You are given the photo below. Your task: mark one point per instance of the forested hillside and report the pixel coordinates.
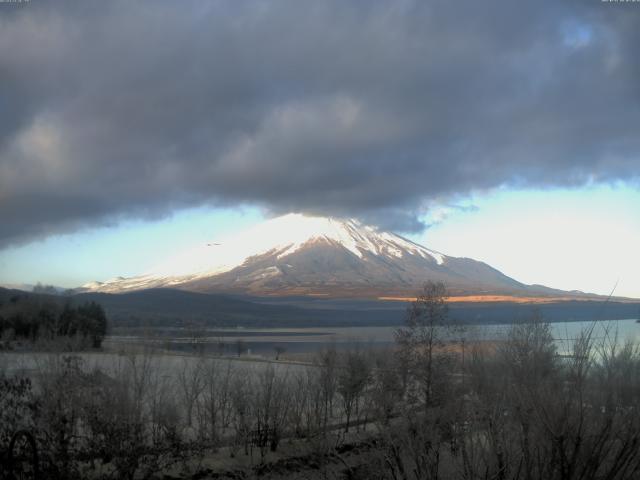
(28, 317)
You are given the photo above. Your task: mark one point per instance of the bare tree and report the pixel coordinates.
(387, 387)
(241, 388)
(537, 414)
(328, 383)
(421, 344)
(191, 382)
(270, 404)
(353, 378)
(299, 403)
(279, 349)
(215, 408)
(241, 347)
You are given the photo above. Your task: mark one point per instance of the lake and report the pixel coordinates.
(264, 341)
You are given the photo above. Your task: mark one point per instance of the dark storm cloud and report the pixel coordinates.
(372, 109)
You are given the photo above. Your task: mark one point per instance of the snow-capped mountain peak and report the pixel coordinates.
(295, 230)
(301, 253)
(286, 235)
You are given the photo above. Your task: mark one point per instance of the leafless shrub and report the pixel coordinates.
(353, 379)
(215, 401)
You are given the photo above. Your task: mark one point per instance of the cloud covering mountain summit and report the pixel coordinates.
(371, 109)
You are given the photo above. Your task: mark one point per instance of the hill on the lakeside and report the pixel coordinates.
(177, 308)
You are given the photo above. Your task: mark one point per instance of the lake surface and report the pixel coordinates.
(259, 345)
(264, 341)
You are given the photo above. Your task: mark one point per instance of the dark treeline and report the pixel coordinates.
(172, 308)
(522, 408)
(32, 317)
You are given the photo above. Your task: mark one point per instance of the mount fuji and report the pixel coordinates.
(303, 255)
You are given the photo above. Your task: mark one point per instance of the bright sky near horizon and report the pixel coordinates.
(584, 239)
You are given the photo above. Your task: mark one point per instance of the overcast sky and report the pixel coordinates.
(119, 115)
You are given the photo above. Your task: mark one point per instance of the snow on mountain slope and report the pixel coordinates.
(286, 235)
(301, 254)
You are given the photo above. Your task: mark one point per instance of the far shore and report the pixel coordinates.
(513, 299)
